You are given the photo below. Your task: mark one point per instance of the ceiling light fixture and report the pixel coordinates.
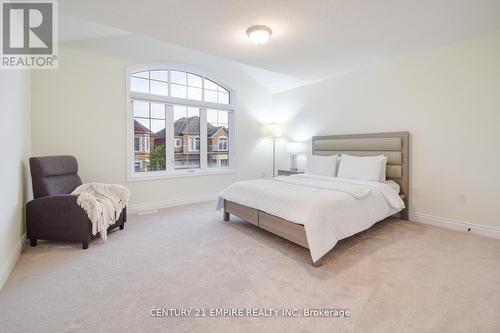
(259, 34)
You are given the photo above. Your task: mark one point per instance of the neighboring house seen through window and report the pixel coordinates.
(171, 109)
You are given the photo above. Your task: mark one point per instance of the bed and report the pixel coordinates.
(316, 212)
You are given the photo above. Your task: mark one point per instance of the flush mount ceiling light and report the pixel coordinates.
(259, 34)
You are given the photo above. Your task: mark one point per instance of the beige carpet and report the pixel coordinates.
(396, 277)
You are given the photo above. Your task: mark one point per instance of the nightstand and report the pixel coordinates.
(282, 172)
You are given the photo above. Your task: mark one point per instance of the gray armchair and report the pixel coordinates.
(53, 214)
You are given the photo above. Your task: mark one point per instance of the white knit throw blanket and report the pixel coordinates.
(103, 204)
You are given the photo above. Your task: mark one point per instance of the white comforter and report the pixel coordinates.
(330, 208)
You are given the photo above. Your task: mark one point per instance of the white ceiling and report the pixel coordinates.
(312, 39)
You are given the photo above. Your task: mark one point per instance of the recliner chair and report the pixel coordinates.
(53, 214)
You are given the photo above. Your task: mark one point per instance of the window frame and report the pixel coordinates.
(194, 144)
(169, 102)
(219, 141)
(176, 140)
(137, 140)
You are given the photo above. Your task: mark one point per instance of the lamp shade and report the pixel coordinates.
(294, 147)
(273, 130)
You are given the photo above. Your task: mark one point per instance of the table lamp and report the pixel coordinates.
(294, 148)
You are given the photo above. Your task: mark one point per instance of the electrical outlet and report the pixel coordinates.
(461, 197)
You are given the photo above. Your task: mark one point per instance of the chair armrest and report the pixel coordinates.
(60, 199)
(57, 216)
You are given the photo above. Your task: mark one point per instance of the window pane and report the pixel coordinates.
(194, 80)
(159, 75)
(187, 137)
(223, 97)
(217, 139)
(157, 125)
(178, 91)
(159, 88)
(180, 111)
(194, 93)
(193, 112)
(212, 116)
(158, 110)
(139, 85)
(222, 89)
(211, 96)
(178, 77)
(210, 84)
(144, 75)
(141, 109)
(223, 117)
(144, 122)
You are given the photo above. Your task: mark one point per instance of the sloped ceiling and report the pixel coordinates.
(311, 41)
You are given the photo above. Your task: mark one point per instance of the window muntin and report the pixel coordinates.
(156, 96)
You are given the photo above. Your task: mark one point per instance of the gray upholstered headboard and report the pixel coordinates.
(394, 145)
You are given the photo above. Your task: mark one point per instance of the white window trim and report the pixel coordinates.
(170, 172)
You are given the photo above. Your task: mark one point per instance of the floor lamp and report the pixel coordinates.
(274, 131)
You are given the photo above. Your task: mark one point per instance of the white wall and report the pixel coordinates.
(79, 109)
(14, 177)
(449, 100)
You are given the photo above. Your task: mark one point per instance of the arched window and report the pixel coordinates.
(181, 120)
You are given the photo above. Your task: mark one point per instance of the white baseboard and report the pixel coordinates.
(457, 225)
(151, 206)
(6, 269)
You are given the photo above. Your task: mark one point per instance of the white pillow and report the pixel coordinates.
(321, 165)
(361, 167)
(383, 171)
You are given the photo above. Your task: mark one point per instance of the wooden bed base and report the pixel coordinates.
(291, 231)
